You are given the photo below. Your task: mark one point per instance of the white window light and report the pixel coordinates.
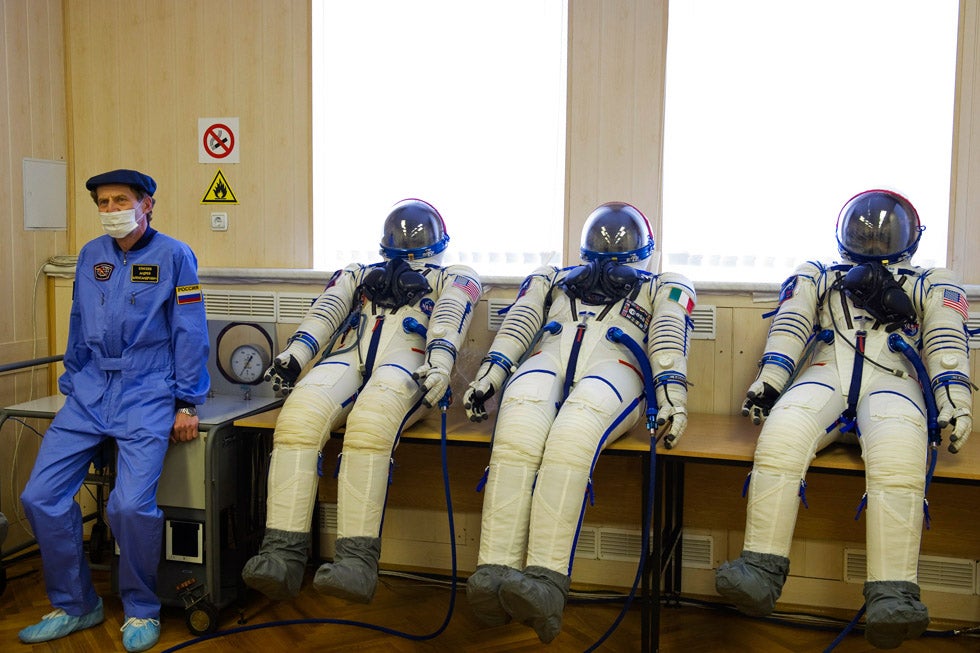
(778, 112)
(461, 104)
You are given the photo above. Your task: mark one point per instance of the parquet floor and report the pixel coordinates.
(417, 609)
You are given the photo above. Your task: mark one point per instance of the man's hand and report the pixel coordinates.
(760, 399)
(283, 373)
(475, 397)
(185, 428)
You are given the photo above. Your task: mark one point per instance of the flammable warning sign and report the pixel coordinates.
(219, 192)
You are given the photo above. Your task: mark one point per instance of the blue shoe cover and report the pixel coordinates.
(58, 623)
(140, 634)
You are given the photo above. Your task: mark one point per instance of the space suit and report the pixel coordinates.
(387, 336)
(573, 389)
(842, 363)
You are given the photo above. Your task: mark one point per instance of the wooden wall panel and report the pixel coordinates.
(616, 69)
(964, 225)
(139, 107)
(32, 125)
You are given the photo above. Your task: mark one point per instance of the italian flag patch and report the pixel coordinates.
(681, 297)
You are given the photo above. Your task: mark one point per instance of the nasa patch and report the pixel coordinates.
(103, 271)
(427, 305)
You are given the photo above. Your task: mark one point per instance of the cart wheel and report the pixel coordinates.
(202, 618)
(97, 541)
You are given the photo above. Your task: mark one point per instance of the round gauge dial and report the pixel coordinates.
(242, 352)
(248, 363)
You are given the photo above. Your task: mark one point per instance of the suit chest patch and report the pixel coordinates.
(636, 314)
(102, 271)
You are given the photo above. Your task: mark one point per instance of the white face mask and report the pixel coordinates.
(119, 224)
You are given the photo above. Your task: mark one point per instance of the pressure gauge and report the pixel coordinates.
(242, 351)
(248, 364)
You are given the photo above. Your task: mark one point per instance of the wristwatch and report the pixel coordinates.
(189, 410)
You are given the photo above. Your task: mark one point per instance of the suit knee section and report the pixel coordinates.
(305, 420)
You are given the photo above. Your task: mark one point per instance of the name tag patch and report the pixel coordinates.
(189, 294)
(145, 274)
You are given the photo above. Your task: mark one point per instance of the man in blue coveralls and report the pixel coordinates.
(135, 370)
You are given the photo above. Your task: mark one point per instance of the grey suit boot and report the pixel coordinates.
(893, 613)
(353, 575)
(536, 599)
(482, 593)
(277, 569)
(753, 582)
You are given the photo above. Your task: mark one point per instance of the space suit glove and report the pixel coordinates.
(474, 399)
(434, 381)
(433, 375)
(283, 373)
(759, 400)
(677, 416)
(962, 423)
(492, 374)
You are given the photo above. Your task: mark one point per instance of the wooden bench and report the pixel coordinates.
(711, 439)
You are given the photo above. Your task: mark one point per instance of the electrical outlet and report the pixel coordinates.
(219, 222)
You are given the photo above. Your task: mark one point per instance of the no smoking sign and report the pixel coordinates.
(217, 140)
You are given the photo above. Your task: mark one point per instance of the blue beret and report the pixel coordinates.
(127, 177)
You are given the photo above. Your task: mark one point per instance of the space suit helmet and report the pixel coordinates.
(616, 231)
(413, 230)
(878, 225)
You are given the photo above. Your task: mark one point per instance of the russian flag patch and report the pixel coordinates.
(683, 298)
(189, 294)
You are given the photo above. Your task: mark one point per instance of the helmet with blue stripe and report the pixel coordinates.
(878, 225)
(616, 231)
(413, 230)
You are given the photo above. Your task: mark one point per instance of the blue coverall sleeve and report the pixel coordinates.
(189, 330)
(77, 353)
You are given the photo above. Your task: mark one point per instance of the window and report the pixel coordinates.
(461, 104)
(778, 112)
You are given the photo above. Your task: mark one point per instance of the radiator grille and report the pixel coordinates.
(240, 305)
(292, 307)
(956, 575)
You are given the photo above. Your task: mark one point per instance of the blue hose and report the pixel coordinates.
(617, 335)
(897, 343)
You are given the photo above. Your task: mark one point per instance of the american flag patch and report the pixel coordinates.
(957, 301)
(188, 294)
(681, 297)
(467, 285)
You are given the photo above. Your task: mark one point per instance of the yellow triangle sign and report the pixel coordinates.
(219, 192)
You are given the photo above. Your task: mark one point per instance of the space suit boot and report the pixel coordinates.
(277, 569)
(753, 582)
(893, 613)
(536, 599)
(482, 592)
(353, 575)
